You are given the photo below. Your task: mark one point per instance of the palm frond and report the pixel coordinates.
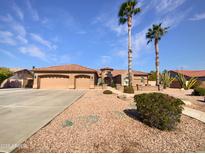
(157, 31)
(127, 9)
(135, 11)
(122, 20)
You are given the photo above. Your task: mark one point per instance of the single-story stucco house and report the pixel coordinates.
(74, 76)
(199, 74)
(21, 78)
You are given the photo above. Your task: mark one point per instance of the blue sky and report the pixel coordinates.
(86, 32)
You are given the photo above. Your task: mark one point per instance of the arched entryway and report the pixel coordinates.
(108, 80)
(54, 81)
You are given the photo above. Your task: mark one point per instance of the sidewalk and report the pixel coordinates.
(199, 115)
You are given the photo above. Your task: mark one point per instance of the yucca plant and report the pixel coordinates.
(186, 84)
(166, 79)
(192, 81)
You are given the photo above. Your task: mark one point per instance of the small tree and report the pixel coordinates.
(152, 76)
(4, 74)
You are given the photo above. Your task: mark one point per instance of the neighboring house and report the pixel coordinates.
(199, 74)
(121, 77)
(79, 77)
(20, 79)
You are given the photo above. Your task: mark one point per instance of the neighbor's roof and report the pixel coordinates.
(119, 72)
(191, 73)
(70, 67)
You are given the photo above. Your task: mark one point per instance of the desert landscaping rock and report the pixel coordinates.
(113, 131)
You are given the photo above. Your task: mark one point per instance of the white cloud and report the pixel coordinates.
(7, 18)
(33, 51)
(22, 39)
(6, 37)
(18, 11)
(114, 26)
(121, 53)
(173, 20)
(33, 11)
(8, 53)
(140, 42)
(42, 41)
(105, 60)
(165, 6)
(6, 33)
(19, 29)
(16, 26)
(196, 17)
(111, 23)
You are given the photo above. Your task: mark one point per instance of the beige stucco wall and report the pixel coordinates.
(71, 79)
(137, 80)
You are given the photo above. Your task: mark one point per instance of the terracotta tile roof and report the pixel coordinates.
(191, 73)
(71, 67)
(119, 72)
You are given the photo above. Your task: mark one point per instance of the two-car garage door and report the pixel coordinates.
(63, 82)
(54, 82)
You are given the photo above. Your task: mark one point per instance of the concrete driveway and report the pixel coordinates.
(25, 111)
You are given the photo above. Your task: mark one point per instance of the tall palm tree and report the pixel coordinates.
(127, 10)
(155, 33)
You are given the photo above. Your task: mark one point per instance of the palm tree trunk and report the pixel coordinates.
(129, 51)
(157, 61)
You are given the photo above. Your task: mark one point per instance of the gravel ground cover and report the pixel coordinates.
(197, 101)
(104, 123)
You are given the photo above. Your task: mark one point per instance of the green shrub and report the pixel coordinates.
(107, 92)
(199, 91)
(4, 74)
(128, 89)
(159, 110)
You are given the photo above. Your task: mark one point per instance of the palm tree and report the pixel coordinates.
(155, 33)
(127, 10)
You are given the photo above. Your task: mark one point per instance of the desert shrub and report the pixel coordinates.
(159, 110)
(199, 91)
(129, 89)
(107, 92)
